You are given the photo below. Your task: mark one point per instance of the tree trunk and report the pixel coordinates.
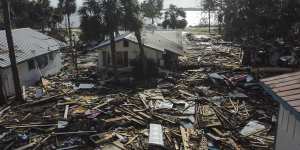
(113, 53)
(142, 52)
(12, 56)
(70, 42)
(209, 21)
(75, 50)
(69, 30)
(152, 19)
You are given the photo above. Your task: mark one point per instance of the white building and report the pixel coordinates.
(286, 90)
(162, 47)
(37, 55)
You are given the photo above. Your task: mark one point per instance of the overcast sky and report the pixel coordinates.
(179, 3)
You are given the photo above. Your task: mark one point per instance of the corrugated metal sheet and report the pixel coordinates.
(28, 43)
(287, 87)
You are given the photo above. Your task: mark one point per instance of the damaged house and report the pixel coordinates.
(162, 47)
(285, 90)
(37, 55)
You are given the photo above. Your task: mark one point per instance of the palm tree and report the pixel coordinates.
(111, 16)
(209, 5)
(132, 22)
(68, 7)
(56, 17)
(43, 12)
(108, 14)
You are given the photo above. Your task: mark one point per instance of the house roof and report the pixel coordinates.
(286, 89)
(150, 39)
(28, 43)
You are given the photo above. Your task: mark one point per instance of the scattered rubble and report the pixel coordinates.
(211, 104)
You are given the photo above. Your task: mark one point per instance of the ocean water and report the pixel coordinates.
(193, 18)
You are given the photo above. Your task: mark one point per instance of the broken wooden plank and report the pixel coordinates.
(66, 112)
(26, 146)
(185, 139)
(143, 99)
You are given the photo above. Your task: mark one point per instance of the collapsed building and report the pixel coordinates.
(37, 56)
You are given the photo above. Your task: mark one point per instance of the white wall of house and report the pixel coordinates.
(29, 77)
(288, 131)
(133, 53)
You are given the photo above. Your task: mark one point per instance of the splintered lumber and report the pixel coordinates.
(77, 132)
(101, 138)
(272, 70)
(5, 109)
(131, 140)
(69, 147)
(30, 126)
(185, 140)
(143, 99)
(66, 112)
(145, 115)
(101, 105)
(186, 93)
(42, 142)
(176, 144)
(164, 119)
(117, 119)
(119, 145)
(26, 146)
(44, 100)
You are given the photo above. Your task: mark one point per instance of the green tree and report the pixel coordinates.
(209, 5)
(37, 14)
(132, 22)
(42, 13)
(175, 18)
(152, 8)
(111, 15)
(55, 18)
(90, 23)
(108, 14)
(68, 7)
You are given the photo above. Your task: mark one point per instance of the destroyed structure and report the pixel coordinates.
(37, 55)
(211, 102)
(285, 90)
(163, 48)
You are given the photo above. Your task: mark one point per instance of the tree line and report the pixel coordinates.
(93, 15)
(257, 20)
(37, 14)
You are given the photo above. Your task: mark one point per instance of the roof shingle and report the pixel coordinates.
(287, 87)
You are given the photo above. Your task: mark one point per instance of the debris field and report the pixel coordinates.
(210, 103)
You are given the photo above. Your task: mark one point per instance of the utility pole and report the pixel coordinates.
(3, 98)
(11, 49)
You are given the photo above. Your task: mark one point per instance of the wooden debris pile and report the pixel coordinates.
(200, 108)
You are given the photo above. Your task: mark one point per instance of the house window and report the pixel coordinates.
(105, 58)
(122, 59)
(31, 64)
(126, 43)
(42, 61)
(51, 56)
